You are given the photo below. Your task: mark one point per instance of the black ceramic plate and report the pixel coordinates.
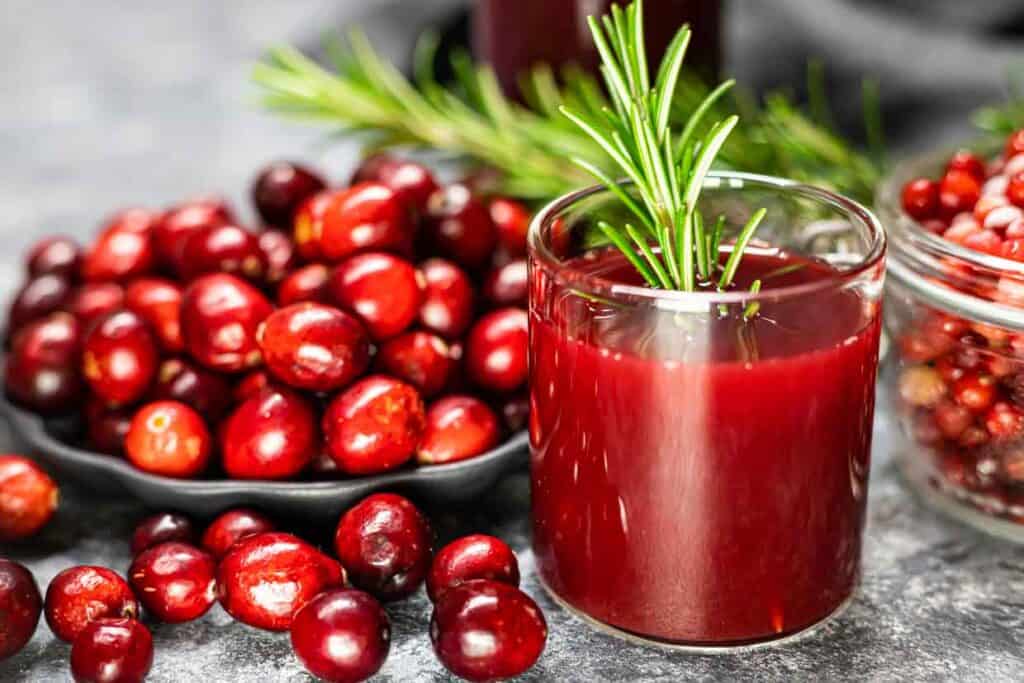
(438, 484)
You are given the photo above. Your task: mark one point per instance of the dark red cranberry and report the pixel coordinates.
(384, 544)
(223, 249)
(119, 253)
(83, 594)
(482, 611)
(958, 192)
(107, 427)
(162, 527)
(308, 283)
(281, 188)
(309, 225)
(173, 229)
(460, 226)
(314, 347)
(447, 307)
(43, 369)
(341, 616)
(119, 358)
(271, 436)
(414, 183)
(175, 581)
(369, 167)
(265, 579)
(920, 198)
(507, 285)
(219, 317)
(206, 392)
(28, 498)
(232, 526)
(158, 302)
(967, 162)
(90, 301)
(280, 254)
(112, 651)
(496, 350)
(458, 428)
(251, 385)
(168, 438)
(20, 607)
(385, 291)
(39, 297)
(472, 557)
(55, 256)
(365, 217)
(374, 425)
(515, 412)
(422, 359)
(512, 221)
(975, 392)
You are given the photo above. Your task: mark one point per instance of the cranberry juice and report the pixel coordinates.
(702, 483)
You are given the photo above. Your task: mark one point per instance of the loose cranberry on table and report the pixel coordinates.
(265, 579)
(112, 651)
(223, 248)
(39, 297)
(364, 217)
(119, 358)
(272, 435)
(308, 283)
(279, 252)
(43, 370)
(171, 232)
(162, 527)
(168, 438)
(232, 526)
(448, 298)
(91, 301)
(374, 425)
(28, 498)
(175, 582)
(422, 359)
(54, 256)
(281, 188)
(314, 347)
(344, 616)
(496, 350)
(507, 285)
(457, 428)
(512, 221)
(383, 290)
(206, 392)
(477, 556)
(158, 302)
(459, 225)
(482, 611)
(20, 607)
(80, 595)
(384, 544)
(220, 314)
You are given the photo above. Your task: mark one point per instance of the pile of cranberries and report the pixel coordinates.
(483, 627)
(961, 386)
(363, 328)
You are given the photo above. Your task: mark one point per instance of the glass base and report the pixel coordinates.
(700, 648)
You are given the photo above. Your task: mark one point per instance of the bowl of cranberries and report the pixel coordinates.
(955, 311)
(364, 337)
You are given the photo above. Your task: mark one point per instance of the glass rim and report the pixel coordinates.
(700, 300)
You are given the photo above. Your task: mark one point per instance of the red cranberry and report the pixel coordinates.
(967, 162)
(1014, 144)
(458, 427)
(281, 188)
(309, 225)
(507, 285)
(412, 182)
(112, 651)
(168, 438)
(383, 290)
(39, 297)
(107, 427)
(374, 425)
(1015, 189)
(384, 544)
(369, 167)
(472, 557)
(119, 253)
(420, 358)
(447, 307)
(223, 249)
(55, 256)
(137, 220)
(83, 594)
(481, 611)
(958, 191)
(496, 350)
(952, 419)
(219, 318)
(175, 581)
(314, 347)
(460, 226)
(42, 370)
(251, 385)
(162, 527)
(28, 498)
(120, 358)
(271, 436)
(208, 393)
(171, 232)
(515, 412)
(265, 579)
(308, 283)
(341, 616)
(90, 301)
(280, 254)
(985, 241)
(20, 607)
(158, 302)
(512, 221)
(975, 392)
(365, 217)
(232, 526)
(1004, 421)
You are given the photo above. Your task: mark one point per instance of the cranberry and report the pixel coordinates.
(459, 225)
(447, 307)
(952, 419)
(219, 318)
(309, 225)
(507, 285)
(55, 256)
(374, 425)
(1015, 189)
(369, 167)
(208, 393)
(314, 347)
(120, 358)
(83, 594)
(279, 252)
(232, 526)
(384, 544)
(958, 191)
(107, 427)
(458, 427)
(112, 651)
(986, 205)
(28, 498)
(168, 438)
(251, 385)
(365, 217)
(975, 392)
(491, 612)
(1014, 144)
(175, 581)
(985, 241)
(341, 616)
(383, 290)
(271, 436)
(20, 607)
(119, 253)
(42, 370)
(512, 221)
(973, 436)
(420, 358)
(472, 557)
(1004, 421)
(223, 249)
(158, 302)
(281, 188)
(137, 220)
(172, 231)
(265, 579)
(308, 283)
(921, 386)
(515, 412)
(496, 350)
(39, 297)
(91, 301)
(967, 162)
(412, 182)
(162, 527)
